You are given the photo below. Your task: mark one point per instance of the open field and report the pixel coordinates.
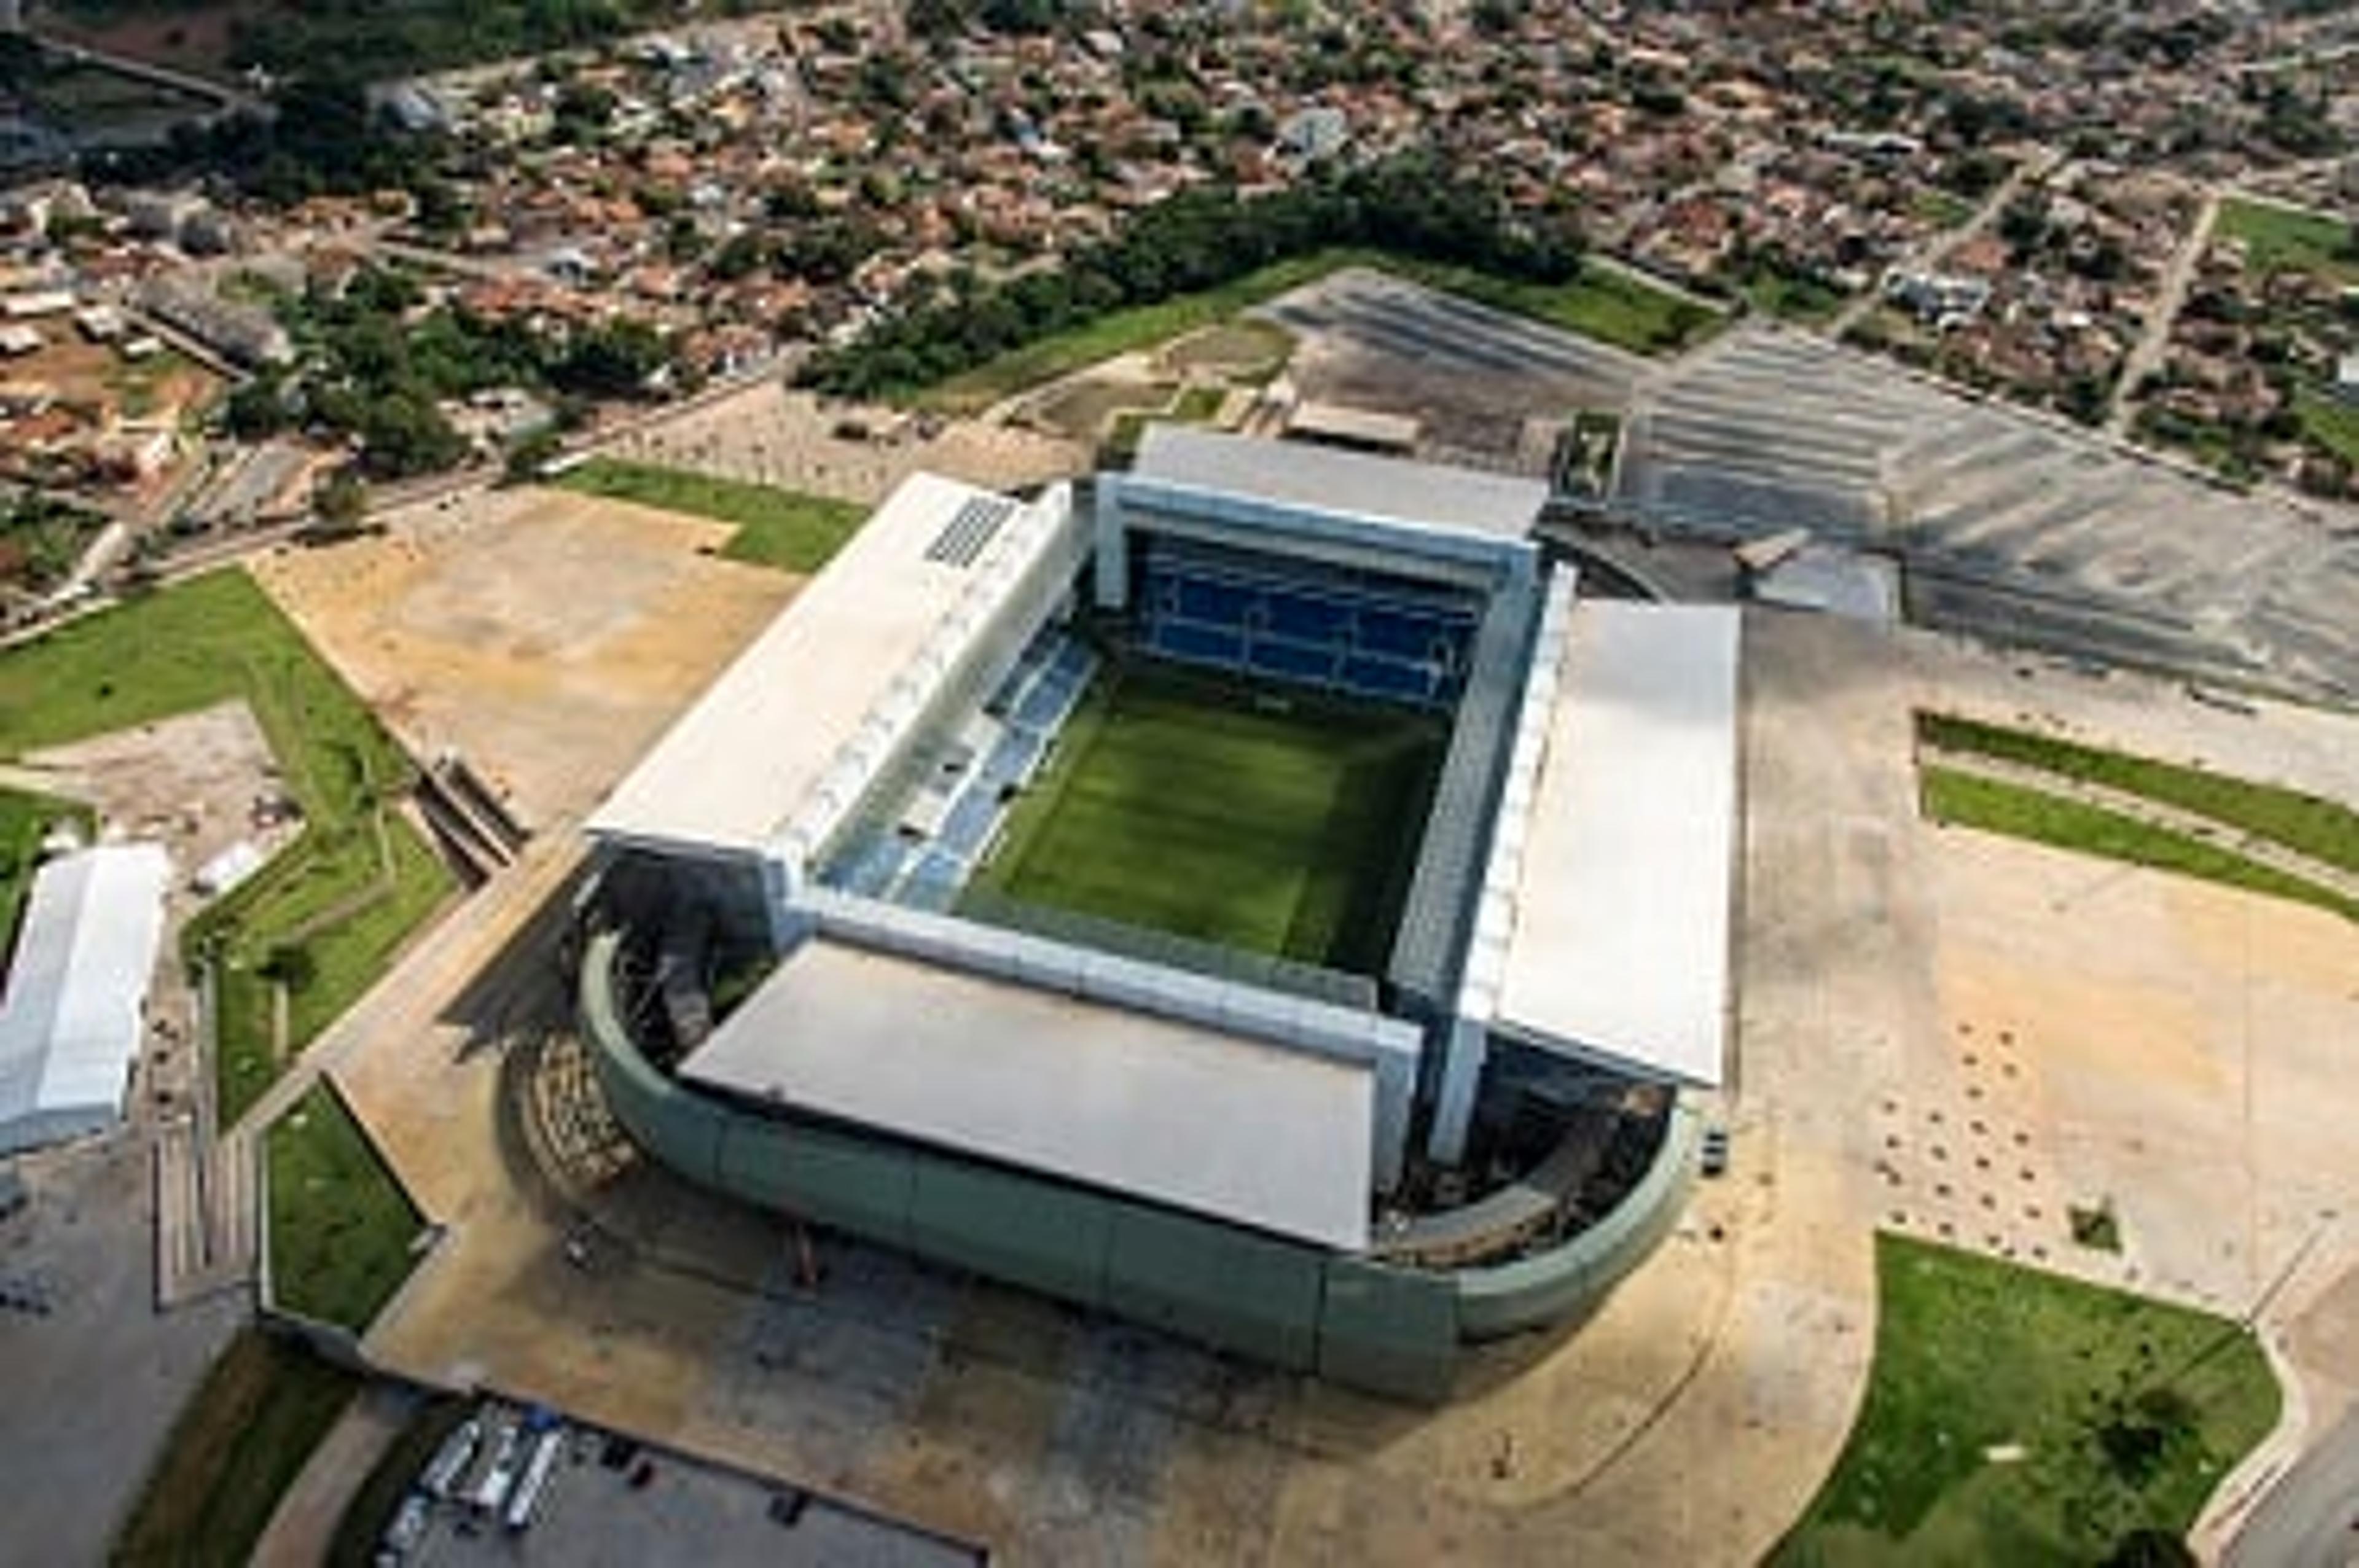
(2281, 239)
(548, 637)
(328, 912)
(24, 820)
(2322, 830)
(2015, 1416)
(1605, 305)
(240, 1442)
(342, 1229)
(1180, 803)
(1995, 806)
(775, 527)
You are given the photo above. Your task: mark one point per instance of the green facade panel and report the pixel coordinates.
(1031, 1233)
(1390, 1331)
(851, 1183)
(1212, 1282)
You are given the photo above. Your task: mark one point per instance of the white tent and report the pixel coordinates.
(69, 1016)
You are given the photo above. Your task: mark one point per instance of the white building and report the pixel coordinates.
(70, 1023)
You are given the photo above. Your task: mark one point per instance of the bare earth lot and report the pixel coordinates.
(547, 636)
(767, 435)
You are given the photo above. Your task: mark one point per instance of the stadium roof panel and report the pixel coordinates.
(734, 772)
(1617, 943)
(1422, 495)
(1251, 1133)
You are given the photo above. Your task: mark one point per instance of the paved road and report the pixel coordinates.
(2311, 1518)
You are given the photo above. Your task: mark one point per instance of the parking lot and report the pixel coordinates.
(609, 1500)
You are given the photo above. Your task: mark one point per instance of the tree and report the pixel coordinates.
(341, 502)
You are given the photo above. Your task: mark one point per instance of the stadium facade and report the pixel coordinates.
(793, 993)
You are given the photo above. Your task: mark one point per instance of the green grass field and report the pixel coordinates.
(346, 892)
(1180, 803)
(25, 821)
(2126, 1413)
(2279, 238)
(1996, 806)
(237, 1445)
(782, 528)
(2321, 829)
(341, 1226)
(1600, 303)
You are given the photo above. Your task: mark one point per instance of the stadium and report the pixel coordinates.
(1264, 897)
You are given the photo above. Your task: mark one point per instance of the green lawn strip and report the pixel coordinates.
(2329, 423)
(25, 821)
(342, 1229)
(1601, 303)
(210, 641)
(2112, 1414)
(2279, 239)
(1996, 806)
(1174, 802)
(2307, 824)
(776, 527)
(370, 1513)
(235, 1449)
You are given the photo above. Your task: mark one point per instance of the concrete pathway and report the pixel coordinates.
(304, 1526)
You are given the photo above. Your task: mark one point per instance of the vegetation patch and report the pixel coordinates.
(41, 538)
(25, 821)
(232, 1453)
(784, 528)
(1968, 800)
(2306, 824)
(342, 1233)
(1280, 826)
(325, 917)
(2095, 1226)
(2329, 422)
(2284, 239)
(2018, 1417)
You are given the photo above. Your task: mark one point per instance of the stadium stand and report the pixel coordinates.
(1359, 633)
(1427, 949)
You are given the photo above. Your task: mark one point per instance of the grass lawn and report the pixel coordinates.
(2329, 423)
(341, 1226)
(240, 1440)
(2279, 238)
(1600, 303)
(783, 528)
(2127, 1412)
(1181, 803)
(1993, 805)
(355, 884)
(2320, 828)
(25, 821)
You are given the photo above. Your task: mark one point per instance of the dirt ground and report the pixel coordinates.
(548, 637)
(770, 436)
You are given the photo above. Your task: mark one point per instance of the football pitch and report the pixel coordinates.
(1279, 825)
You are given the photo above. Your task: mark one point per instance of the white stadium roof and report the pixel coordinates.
(1419, 495)
(1181, 1114)
(855, 654)
(69, 1020)
(1612, 939)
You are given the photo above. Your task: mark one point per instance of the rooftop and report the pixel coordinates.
(1393, 489)
(1177, 1113)
(70, 1021)
(1614, 942)
(847, 662)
